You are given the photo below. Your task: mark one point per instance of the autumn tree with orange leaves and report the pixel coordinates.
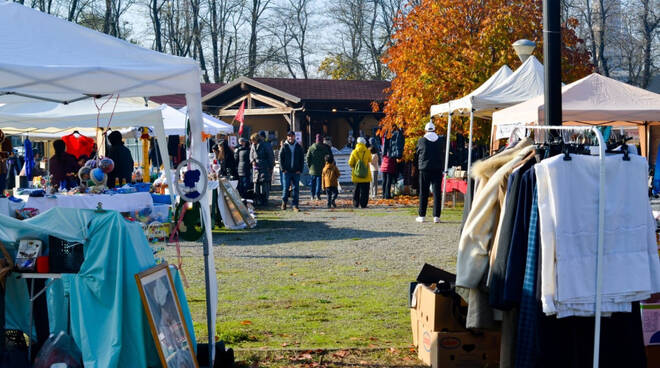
(444, 49)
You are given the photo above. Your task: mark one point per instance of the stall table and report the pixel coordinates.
(51, 277)
(118, 202)
(453, 185)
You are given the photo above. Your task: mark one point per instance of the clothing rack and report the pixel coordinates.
(601, 220)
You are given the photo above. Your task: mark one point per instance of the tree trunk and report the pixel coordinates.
(214, 40)
(223, 70)
(197, 39)
(72, 10)
(108, 16)
(155, 16)
(252, 48)
(648, 29)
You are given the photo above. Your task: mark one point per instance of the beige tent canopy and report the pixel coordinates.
(592, 100)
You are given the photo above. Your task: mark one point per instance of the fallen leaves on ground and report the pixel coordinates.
(341, 354)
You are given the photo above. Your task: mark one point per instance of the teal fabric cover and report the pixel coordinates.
(107, 318)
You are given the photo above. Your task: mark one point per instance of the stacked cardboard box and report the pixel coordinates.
(443, 341)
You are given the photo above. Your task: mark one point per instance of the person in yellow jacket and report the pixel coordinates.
(330, 180)
(360, 175)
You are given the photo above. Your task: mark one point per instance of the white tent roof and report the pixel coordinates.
(525, 83)
(464, 104)
(43, 118)
(594, 98)
(175, 123)
(48, 57)
(212, 123)
(42, 56)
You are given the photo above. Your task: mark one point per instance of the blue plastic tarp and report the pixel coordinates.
(106, 315)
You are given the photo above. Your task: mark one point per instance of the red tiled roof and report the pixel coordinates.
(305, 89)
(178, 101)
(329, 89)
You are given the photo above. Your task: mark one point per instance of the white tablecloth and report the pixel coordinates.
(117, 202)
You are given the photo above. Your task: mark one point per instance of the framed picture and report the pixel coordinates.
(235, 204)
(163, 309)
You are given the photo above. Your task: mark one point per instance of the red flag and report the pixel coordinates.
(240, 116)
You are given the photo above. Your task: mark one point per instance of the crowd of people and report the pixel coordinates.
(372, 161)
(65, 162)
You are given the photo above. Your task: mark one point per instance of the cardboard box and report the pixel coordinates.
(651, 322)
(437, 311)
(414, 324)
(458, 349)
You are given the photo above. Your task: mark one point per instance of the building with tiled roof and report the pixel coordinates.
(336, 108)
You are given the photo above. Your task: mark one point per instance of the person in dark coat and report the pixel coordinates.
(291, 164)
(316, 162)
(224, 156)
(62, 166)
(13, 169)
(429, 156)
(260, 168)
(271, 162)
(243, 167)
(155, 157)
(122, 158)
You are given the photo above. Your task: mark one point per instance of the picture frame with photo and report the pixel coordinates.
(167, 323)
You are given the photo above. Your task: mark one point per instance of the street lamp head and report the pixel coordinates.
(524, 48)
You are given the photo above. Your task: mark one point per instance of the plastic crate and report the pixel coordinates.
(142, 187)
(64, 256)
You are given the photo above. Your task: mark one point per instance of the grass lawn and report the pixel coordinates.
(308, 309)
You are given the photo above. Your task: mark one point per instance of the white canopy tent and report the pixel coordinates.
(504, 90)
(45, 119)
(53, 120)
(464, 105)
(526, 82)
(50, 59)
(594, 99)
(218, 125)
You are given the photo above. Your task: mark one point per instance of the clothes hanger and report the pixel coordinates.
(612, 148)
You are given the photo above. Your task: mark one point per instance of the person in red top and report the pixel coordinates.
(78, 145)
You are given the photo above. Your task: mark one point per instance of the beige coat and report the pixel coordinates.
(481, 224)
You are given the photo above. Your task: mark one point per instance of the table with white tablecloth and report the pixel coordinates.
(118, 202)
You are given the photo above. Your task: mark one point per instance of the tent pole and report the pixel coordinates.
(469, 163)
(198, 152)
(444, 174)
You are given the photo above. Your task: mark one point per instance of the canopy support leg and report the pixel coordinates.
(446, 170)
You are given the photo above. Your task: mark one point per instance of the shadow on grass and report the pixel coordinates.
(275, 231)
(281, 257)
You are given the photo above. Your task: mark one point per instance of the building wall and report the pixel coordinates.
(272, 123)
(338, 128)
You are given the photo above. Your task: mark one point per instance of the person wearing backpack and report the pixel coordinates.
(360, 175)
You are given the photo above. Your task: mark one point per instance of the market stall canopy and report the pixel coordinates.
(49, 58)
(223, 127)
(524, 83)
(464, 105)
(593, 99)
(175, 123)
(44, 118)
